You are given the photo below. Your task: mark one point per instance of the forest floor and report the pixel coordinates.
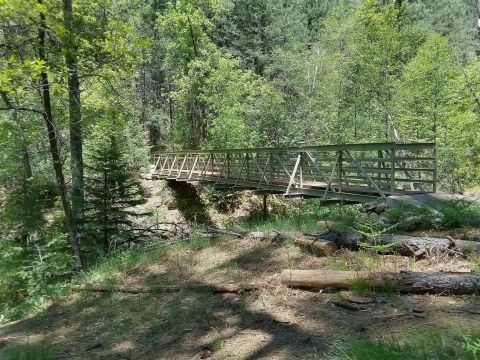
(273, 322)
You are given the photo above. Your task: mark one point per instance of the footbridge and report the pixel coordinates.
(348, 172)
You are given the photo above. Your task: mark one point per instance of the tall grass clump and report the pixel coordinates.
(431, 346)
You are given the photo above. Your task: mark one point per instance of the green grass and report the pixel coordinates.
(303, 217)
(474, 261)
(429, 347)
(27, 352)
(107, 269)
(360, 286)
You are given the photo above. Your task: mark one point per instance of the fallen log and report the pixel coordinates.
(316, 246)
(406, 245)
(224, 232)
(404, 282)
(139, 289)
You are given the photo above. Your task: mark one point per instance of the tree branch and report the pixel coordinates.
(10, 105)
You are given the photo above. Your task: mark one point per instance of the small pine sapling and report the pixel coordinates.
(112, 191)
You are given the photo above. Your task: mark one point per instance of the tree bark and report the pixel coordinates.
(53, 141)
(404, 282)
(139, 289)
(406, 245)
(318, 247)
(75, 123)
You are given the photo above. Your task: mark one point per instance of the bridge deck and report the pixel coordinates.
(356, 172)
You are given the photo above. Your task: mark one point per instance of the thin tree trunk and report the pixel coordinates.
(75, 109)
(53, 143)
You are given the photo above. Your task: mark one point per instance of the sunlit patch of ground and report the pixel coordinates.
(273, 322)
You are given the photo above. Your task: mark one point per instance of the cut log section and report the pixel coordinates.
(318, 247)
(404, 282)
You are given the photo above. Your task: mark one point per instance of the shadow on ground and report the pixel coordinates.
(195, 322)
(189, 203)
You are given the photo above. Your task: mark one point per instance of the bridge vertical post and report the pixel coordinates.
(270, 168)
(228, 165)
(379, 165)
(213, 161)
(302, 159)
(248, 166)
(265, 208)
(340, 173)
(435, 169)
(392, 169)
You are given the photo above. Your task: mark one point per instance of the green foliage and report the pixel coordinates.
(222, 200)
(360, 286)
(471, 344)
(215, 74)
(432, 346)
(302, 217)
(112, 191)
(450, 215)
(33, 273)
(27, 352)
(372, 232)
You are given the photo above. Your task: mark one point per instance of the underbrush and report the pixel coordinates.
(303, 217)
(116, 264)
(432, 346)
(452, 215)
(31, 276)
(28, 352)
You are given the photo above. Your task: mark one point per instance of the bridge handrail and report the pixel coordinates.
(317, 148)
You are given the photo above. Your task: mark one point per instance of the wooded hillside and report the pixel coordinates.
(90, 90)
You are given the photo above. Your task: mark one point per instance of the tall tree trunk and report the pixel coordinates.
(53, 143)
(75, 109)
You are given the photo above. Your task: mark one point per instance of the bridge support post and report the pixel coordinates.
(340, 174)
(265, 208)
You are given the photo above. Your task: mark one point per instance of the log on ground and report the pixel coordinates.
(140, 289)
(404, 282)
(416, 246)
(316, 246)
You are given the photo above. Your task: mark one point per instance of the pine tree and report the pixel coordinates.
(112, 191)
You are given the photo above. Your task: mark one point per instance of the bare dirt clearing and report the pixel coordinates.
(274, 322)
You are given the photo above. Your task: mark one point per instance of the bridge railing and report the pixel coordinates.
(353, 171)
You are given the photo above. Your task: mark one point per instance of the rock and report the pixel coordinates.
(326, 224)
(356, 298)
(384, 221)
(437, 201)
(258, 235)
(238, 229)
(229, 297)
(5, 341)
(374, 208)
(206, 353)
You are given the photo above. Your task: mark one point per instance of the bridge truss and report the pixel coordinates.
(352, 172)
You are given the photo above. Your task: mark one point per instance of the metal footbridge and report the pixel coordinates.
(348, 172)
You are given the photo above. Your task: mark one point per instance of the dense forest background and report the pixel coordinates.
(90, 89)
